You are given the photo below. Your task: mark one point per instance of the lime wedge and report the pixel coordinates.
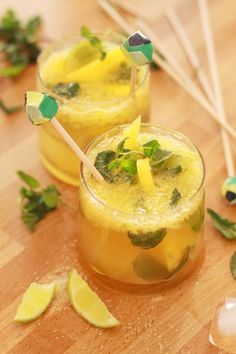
(35, 301)
(81, 54)
(87, 303)
(98, 70)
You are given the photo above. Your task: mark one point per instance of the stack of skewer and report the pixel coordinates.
(210, 95)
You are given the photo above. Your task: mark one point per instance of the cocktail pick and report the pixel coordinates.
(41, 109)
(138, 49)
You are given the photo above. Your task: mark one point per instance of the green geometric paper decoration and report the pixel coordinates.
(228, 190)
(138, 49)
(40, 107)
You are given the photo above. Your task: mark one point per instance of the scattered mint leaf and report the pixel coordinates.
(175, 197)
(147, 268)
(226, 227)
(29, 180)
(150, 148)
(7, 109)
(13, 70)
(66, 90)
(233, 265)
(147, 240)
(30, 220)
(102, 161)
(18, 43)
(36, 202)
(94, 40)
(51, 196)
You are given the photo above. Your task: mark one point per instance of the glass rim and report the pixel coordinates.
(65, 39)
(119, 128)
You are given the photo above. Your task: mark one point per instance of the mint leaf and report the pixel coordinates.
(124, 72)
(129, 166)
(147, 240)
(68, 90)
(9, 109)
(121, 149)
(51, 196)
(175, 197)
(226, 227)
(13, 70)
(102, 161)
(94, 40)
(150, 148)
(175, 170)
(30, 220)
(147, 268)
(233, 265)
(29, 180)
(159, 156)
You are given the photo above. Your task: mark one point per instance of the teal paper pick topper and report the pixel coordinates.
(138, 49)
(228, 190)
(40, 107)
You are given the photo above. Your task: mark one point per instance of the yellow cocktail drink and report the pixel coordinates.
(144, 224)
(93, 90)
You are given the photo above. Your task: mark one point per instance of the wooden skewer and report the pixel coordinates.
(189, 50)
(216, 83)
(133, 78)
(76, 149)
(110, 10)
(163, 49)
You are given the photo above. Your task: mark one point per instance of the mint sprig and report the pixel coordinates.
(122, 163)
(18, 43)
(35, 201)
(94, 40)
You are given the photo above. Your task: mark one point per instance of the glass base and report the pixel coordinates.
(59, 174)
(187, 274)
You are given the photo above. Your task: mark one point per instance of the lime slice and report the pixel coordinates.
(87, 303)
(35, 301)
(81, 54)
(98, 70)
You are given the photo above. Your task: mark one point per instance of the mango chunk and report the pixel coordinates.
(131, 134)
(145, 176)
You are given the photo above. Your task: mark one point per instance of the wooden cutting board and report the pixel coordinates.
(165, 321)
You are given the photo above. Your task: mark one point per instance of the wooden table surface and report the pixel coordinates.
(170, 321)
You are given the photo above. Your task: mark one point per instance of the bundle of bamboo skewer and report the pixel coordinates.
(210, 97)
